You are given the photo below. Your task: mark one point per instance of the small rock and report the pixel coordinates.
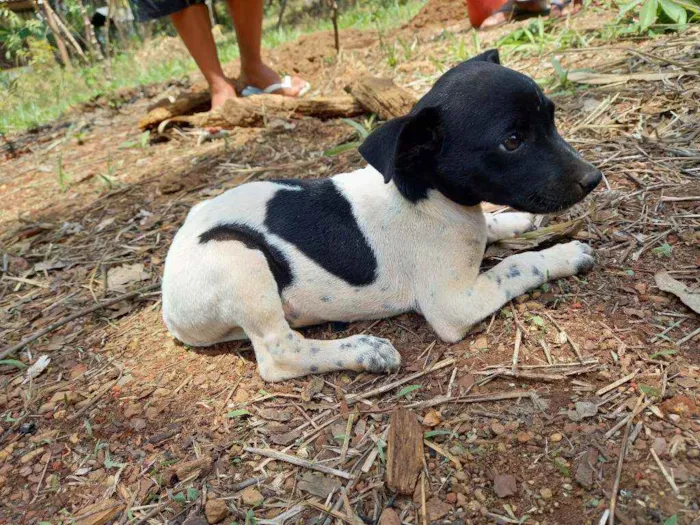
(504, 485)
(47, 407)
(680, 405)
(524, 437)
(479, 494)
(138, 424)
(497, 428)
(432, 419)
(659, 445)
(437, 509)
(215, 510)
(389, 517)
(461, 500)
(451, 498)
(584, 409)
(555, 438)
(693, 453)
(252, 497)
(196, 518)
(585, 471)
(546, 493)
(481, 343)
(318, 485)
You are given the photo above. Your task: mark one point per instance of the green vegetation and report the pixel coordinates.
(43, 90)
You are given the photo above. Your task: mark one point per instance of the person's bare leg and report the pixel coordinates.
(248, 19)
(194, 27)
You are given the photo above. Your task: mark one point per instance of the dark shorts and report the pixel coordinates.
(152, 9)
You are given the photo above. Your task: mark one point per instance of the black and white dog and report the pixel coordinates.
(406, 233)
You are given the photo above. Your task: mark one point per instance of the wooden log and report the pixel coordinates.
(404, 451)
(180, 106)
(252, 111)
(382, 96)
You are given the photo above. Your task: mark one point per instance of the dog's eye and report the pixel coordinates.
(512, 143)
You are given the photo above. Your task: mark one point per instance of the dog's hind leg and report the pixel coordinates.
(283, 353)
(507, 225)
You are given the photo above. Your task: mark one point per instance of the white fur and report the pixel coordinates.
(428, 256)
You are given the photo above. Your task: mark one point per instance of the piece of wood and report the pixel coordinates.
(167, 109)
(404, 451)
(99, 513)
(382, 96)
(250, 111)
(294, 460)
(253, 111)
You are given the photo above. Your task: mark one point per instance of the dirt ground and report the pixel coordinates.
(524, 420)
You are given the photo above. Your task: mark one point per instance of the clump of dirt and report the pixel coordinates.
(439, 12)
(311, 54)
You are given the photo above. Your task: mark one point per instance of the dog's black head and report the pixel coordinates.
(482, 133)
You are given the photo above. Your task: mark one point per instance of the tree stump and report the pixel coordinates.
(382, 96)
(404, 459)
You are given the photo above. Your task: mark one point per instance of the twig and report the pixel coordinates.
(547, 353)
(298, 462)
(668, 476)
(617, 383)
(423, 509)
(472, 399)
(516, 350)
(679, 342)
(622, 422)
(106, 388)
(53, 326)
(573, 345)
(623, 450)
(353, 398)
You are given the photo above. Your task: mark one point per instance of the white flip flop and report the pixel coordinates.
(285, 84)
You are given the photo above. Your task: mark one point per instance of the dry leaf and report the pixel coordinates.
(668, 284)
(119, 278)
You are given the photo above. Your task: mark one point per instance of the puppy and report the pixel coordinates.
(406, 233)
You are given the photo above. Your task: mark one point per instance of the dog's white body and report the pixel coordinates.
(427, 253)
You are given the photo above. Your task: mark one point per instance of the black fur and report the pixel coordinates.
(279, 266)
(318, 220)
(454, 141)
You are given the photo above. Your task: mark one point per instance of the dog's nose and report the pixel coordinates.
(589, 180)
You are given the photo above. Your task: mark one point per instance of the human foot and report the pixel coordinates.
(261, 76)
(515, 10)
(220, 93)
(560, 8)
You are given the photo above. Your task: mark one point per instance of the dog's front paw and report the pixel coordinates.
(377, 355)
(522, 222)
(572, 258)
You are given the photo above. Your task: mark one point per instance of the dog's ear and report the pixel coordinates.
(404, 149)
(487, 56)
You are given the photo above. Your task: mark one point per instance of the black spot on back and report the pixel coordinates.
(318, 220)
(279, 266)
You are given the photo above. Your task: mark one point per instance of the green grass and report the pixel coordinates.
(44, 92)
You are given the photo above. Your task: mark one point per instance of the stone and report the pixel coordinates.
(504, 485)
(389, 517)
(546, 493)
(251, 496)
(215, 510)
(524, 437)
(556, 438)
(497, 428)
(436, 509)
(451, 498)
(461, 500)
